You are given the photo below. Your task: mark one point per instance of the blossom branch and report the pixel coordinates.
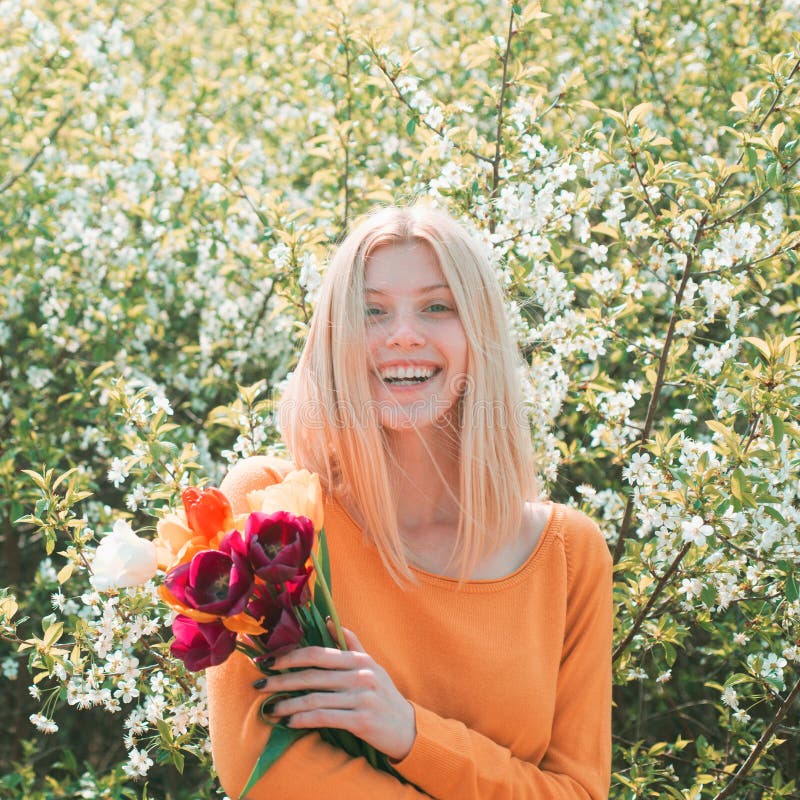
(763, 741)
(13, 177)
(642, 51)
(440, 132)
(642, 616)
(498, 139)
(655, 395)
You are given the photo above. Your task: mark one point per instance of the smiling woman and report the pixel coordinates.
(478, 617)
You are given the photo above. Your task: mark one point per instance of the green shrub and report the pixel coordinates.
(171, 178)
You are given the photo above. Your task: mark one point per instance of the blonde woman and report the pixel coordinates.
(478, 619)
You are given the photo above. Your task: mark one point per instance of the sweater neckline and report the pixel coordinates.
(550, 531)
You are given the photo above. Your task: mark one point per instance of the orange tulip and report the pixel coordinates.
(178, 540)
(298, 493)
(207, 511)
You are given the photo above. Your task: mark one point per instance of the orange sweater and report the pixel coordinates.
(510, 679)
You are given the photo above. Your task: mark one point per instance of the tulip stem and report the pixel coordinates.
(326, 593)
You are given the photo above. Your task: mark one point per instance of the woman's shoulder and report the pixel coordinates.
(585, 546)
(252, 474)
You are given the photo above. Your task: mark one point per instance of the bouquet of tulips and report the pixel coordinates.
(245, 583)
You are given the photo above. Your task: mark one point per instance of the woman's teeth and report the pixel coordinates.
(407, 376)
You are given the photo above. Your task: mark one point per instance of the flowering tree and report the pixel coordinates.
(171, 176)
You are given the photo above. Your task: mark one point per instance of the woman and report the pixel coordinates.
(478, 622)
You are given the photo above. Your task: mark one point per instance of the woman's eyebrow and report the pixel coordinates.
(422, 290)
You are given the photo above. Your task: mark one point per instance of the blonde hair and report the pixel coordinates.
(322, 415)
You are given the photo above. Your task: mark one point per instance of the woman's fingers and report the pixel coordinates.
(308, 679)
(343, 689)
(321, 657)
(314, 701)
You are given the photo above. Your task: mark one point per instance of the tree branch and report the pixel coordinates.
(750, 761)
(642, 616)
(13, 177)
(498, 139)
(656, 395)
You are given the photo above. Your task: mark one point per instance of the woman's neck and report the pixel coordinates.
(425, 469)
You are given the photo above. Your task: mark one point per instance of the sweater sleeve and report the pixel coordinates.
(310, 767)
(452, 762)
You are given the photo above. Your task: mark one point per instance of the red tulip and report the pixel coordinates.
(278, 544)
(212, 582)
(201, 644)
(284, 631)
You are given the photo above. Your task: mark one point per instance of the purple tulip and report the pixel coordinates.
(283, 630)
(201, 644)
(213, 582)
(278, 544)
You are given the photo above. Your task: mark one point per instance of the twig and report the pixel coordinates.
(13, 177)
(642, 54)
(763, 741)
(440, 132)
(750, 264)
(637, 623)
(345, 42)
(656, 394)
(498, 139)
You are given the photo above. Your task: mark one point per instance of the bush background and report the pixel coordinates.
(172, 177)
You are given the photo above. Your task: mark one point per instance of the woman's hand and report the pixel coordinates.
(344, 689)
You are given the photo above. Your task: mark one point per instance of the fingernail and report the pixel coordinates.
(268, 662)
(285, 721)
(268, 706)
(260, 683)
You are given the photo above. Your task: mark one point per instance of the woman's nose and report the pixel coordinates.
(404, 333)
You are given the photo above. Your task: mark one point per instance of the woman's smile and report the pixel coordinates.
(416, 342)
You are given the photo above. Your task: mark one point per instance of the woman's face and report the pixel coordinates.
(416, 344)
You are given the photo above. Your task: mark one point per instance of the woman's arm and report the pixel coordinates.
(310, 767)
(451, 762)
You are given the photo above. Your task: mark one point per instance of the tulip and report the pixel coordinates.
(299, 493)
(206, 517)
(212, 583)
(284, 631)
(201, 644)
(207, 511)
(173, 540)
(278, 544)
(123, 559)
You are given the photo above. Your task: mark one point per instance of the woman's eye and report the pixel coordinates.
(438, 307)
(373, 311)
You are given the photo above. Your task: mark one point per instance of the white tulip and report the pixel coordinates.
(123, 559)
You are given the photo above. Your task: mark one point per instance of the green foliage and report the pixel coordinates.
(171, 179)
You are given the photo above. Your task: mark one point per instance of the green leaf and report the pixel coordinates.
(411, 126)
(52, 634)
(279, 742)
(708, 596)
(792, 589)
(775, 514)
(178, 760)
(778, 429)
(164, 731)
(738, 484)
